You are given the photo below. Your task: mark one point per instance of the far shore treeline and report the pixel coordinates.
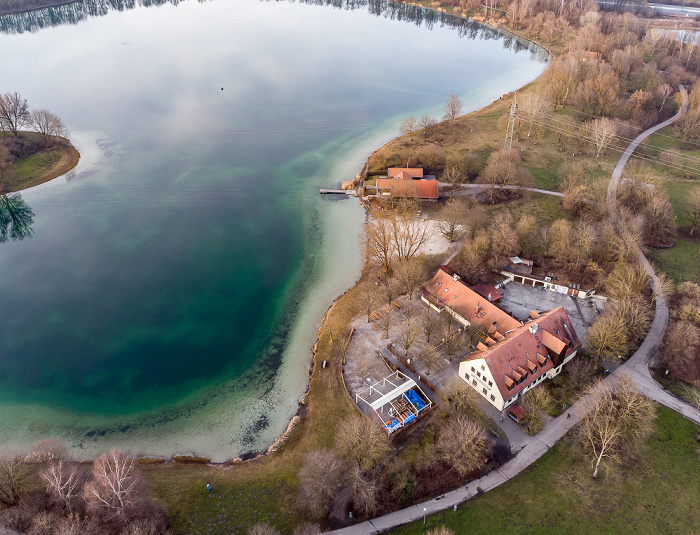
(19, 20)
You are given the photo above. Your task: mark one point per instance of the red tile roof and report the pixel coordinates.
(546, 339)
(476, 309)
(407, 172)
(419, 189)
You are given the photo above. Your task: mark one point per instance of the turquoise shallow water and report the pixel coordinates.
(168, 299)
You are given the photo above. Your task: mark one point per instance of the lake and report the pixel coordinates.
(171, 292)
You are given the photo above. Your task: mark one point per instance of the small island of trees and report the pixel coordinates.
(33, 145)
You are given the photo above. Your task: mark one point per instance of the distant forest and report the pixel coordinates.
(17, 6)
(31, 15)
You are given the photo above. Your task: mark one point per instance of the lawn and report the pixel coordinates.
(682, 261)
(657, 493)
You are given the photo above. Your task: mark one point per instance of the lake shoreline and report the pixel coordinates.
(302, 410)
(322, 316)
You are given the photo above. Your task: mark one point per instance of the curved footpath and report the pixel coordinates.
(636, 368)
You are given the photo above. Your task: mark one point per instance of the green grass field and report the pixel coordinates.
(657, 493)
(682, 261)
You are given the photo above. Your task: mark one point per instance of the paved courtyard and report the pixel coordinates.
(519, 299)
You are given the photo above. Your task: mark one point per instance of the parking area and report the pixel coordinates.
(519, 299)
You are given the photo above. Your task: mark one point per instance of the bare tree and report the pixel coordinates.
(430, 358)
(409, 234)
(692, 208)
(560, 246)
(452, 109)
(430, 321)
(47, 124)
(74, 524)
(659, 227)
(307, 529)
(680, 347)
(453, 341)
(362, 442)
(407, 335)
(628, 280)
(462, 397)
(408, 127)
(149, 526)
(501, 170)
(386, 320)
(14, 471)
(559, 79)
(454, 178)
(535, 402)
(43, 523)
(319, 480)
(664, 92)
(263, 529)
(618, 422)
(368, 298)
(117, 491)
(603, 131)
(428, 124)
(341, 345)
(607, 337)
(442, 530)
(364, 491)
(63, 483)
(462, 444)
(390, 289)
(410, 274)
(14, 112)
(376, 242)
(49, 450)
(533, 109)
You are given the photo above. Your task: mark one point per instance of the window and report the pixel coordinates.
(474, 382)
(483, 367)
(484, 391)
(472, 369)
(466, 376)
(478, 374)
(493, 398)
(490, 384)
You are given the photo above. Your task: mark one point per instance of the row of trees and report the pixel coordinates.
(112, 497)
(16, 115)
(362, 466)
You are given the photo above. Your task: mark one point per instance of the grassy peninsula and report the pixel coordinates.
(40, 162)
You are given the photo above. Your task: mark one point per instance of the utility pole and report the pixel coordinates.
(508, 143)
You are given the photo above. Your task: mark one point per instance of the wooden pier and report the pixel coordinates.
(325, 191)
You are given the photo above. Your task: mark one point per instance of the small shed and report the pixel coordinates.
(520, 265)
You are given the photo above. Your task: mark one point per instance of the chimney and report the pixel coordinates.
(533, 329)
(455, 277)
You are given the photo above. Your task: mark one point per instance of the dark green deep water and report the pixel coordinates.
(166, 274)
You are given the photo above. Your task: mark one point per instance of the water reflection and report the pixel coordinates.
(16, 218)
(418, 15)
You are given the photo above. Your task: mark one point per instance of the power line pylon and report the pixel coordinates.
(508, 143)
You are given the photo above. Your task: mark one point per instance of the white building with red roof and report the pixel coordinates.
(535, 351)
(514, 356)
